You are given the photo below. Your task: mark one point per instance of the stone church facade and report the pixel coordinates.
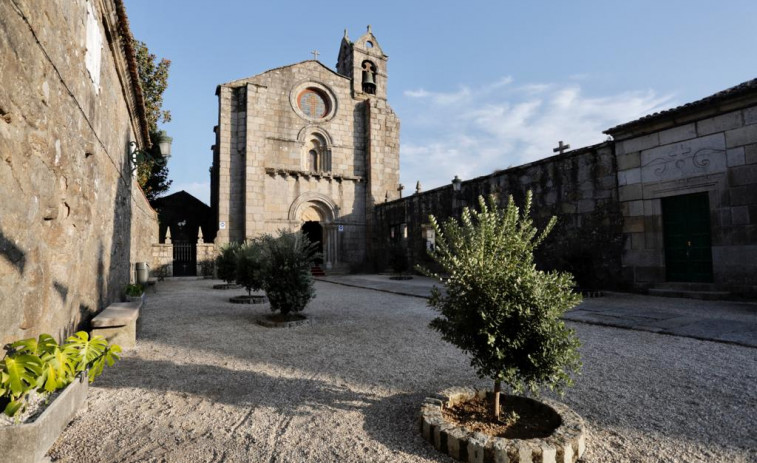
(304, 147)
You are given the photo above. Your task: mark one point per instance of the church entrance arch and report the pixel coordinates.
(315, 214)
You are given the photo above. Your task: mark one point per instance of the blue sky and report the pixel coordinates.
(478, 85)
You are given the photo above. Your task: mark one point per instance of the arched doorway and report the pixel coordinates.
(314, 231)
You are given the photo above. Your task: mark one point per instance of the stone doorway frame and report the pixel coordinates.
(317, 207)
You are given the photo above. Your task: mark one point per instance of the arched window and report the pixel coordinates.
(369, 77)
(318, 155)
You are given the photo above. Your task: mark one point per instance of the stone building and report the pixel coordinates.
(73, 219)
(669, 205)
(307, 147)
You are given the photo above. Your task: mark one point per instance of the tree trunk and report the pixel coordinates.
(496, 400)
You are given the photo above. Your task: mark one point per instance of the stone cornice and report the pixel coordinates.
(274, 171)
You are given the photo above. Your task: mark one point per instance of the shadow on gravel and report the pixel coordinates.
(390, 421)
(393, 421)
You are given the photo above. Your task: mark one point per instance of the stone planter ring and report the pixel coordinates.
(565, 444)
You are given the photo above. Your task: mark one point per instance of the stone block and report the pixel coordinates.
(629, 176)
(629, 160)
(743, 175)
(633, 224)
(699, 156)
(750, 153)
(457, 444)
(750, 115)
(477, 447)
(652, 207)
(719, 123)
(632, 208)
(630, 192)
(740, 215)
(683, 132)
(640, 143)
(742, 136)
(735, 156)
(637, 241)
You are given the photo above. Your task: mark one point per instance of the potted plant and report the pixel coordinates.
(226, 266)
(134, 292)
(42, 385)
(505, 313)
(249, 268)
(287, 280)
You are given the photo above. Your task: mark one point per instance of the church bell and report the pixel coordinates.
(369, 84)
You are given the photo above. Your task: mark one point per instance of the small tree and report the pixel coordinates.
(498, 307)
(249, 272)
(287, 279)
(226, 262)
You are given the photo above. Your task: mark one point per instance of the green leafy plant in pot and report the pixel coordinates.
(44, 366)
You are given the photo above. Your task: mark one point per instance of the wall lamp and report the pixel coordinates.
(137, 155)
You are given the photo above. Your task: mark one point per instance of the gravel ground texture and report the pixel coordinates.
(207, 384)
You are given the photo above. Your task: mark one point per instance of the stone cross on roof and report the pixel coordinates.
(561, 148)
(315, 54)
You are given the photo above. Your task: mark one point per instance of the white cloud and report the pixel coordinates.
(474, 131)
(200, 190)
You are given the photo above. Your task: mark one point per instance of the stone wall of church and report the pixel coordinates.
(578, 187)
(714, 155)
(73, 218)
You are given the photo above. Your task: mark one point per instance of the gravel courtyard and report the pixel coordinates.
(206, 384)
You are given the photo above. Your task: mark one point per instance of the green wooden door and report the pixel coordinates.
(686, 224)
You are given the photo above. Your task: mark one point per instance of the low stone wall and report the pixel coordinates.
(161, 265)
(206, 257)
(565, 445)
(578, 187)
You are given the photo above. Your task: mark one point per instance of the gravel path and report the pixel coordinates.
(208, 385)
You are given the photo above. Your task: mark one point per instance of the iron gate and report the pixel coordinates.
(184, 259)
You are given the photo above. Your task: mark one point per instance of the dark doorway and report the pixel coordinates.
(184, 259)
(314, 232)
(688, 245)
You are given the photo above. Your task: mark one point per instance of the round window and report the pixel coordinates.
(313, 103)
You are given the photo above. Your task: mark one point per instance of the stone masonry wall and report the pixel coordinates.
(67, 243)
(717, 155)
(578, 187)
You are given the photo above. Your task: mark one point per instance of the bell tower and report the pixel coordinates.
(364, 62)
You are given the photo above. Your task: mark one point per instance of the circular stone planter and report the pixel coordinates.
(254, 299)
(566, 444)
(270, 321)
(227, 286)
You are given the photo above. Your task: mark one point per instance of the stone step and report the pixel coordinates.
(703, 295)
(686, 286)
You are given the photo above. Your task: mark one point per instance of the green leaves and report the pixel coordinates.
(43, 365)
(287, 280)
(498, 307)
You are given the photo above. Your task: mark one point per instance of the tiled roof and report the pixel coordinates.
(744, 88)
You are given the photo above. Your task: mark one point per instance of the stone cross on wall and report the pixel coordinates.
(561, 148)
(400, 188)
(315, 54)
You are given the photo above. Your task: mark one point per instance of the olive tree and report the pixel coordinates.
(249, 266)
(226, 262)
(498, 307)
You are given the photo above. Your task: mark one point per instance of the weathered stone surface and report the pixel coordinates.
(74, 220)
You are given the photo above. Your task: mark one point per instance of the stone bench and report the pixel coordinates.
(118, 323)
